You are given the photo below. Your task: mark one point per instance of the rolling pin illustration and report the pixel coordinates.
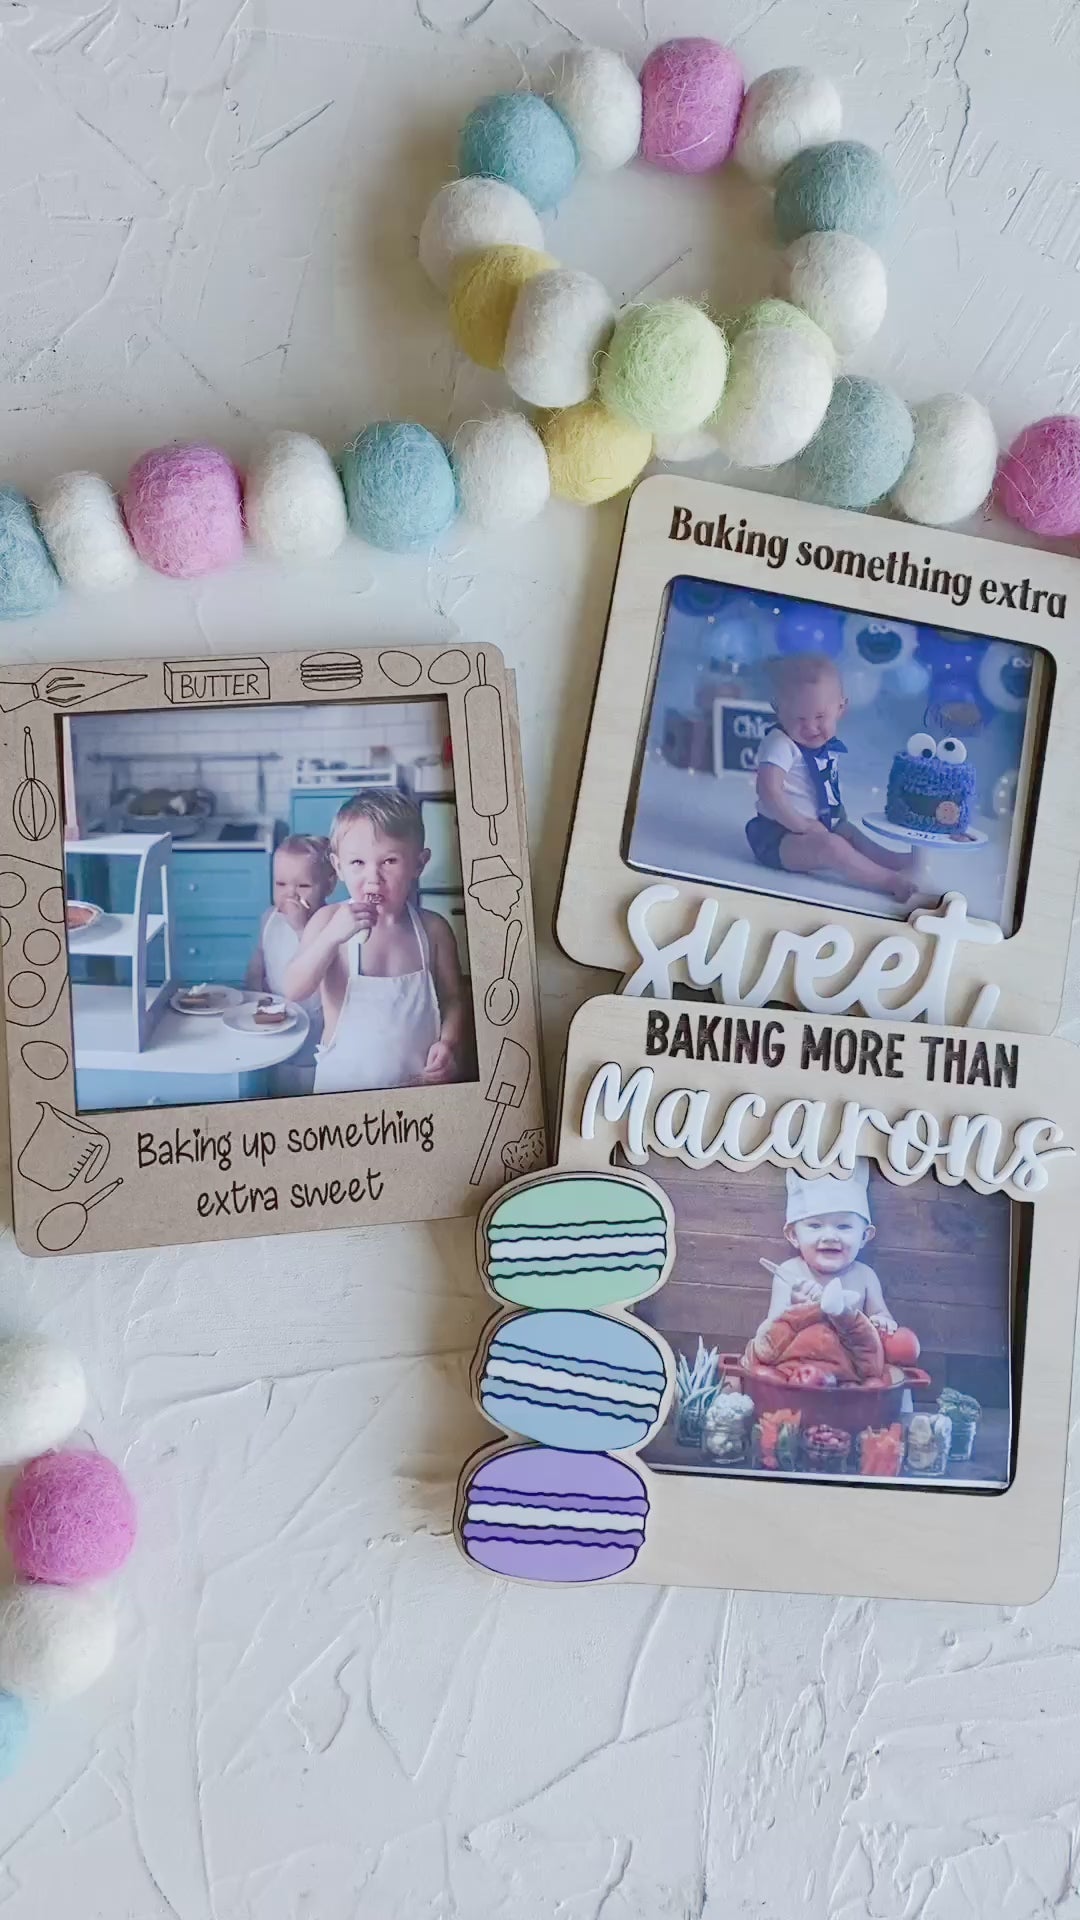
(486, 750)
(33, 807)
(506, 1088)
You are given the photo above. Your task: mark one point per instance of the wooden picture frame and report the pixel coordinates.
(692, 1096)
(182, 1171)
(743, 938)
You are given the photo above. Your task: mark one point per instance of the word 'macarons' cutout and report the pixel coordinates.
(816, 1337)
(853, 801)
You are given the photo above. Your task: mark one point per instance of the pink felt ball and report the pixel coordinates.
(1038, 481)
(183, 507)
(691, 95)
(70, 1517)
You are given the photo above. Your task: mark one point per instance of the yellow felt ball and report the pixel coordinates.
(591, 453)
(482, 295)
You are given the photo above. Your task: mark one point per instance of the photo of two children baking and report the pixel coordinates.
(291, 876)
(802, 749)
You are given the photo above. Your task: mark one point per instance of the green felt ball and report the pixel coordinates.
(844, 187)
(781, 313)
(665, 367)
(860, 449)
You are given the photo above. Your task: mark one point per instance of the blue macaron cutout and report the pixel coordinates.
(574, 1380)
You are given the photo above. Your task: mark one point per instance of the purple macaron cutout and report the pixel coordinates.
(540, 1513)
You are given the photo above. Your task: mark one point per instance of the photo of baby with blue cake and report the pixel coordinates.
(806, 750)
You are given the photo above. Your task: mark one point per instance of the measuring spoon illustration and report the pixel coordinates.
(502, 999)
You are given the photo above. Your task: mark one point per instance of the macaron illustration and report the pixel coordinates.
(577, 1240)
(573, 1380)
(539, 1513)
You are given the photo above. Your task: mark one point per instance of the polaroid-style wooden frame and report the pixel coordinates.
(1014, 596)
(369, 1165)
(648, 1078)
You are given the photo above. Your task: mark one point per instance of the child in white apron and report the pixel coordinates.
(388, 971)
(303, 877)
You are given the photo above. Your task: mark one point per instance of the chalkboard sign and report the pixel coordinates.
(739, 727)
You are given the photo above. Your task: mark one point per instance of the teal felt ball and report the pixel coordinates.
(518, 138)
(399, 486)
(28, 580)
(843, 187)
(860, 449)
(14, 1725)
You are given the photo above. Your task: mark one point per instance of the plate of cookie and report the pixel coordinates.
(206, 1000)
(266, 1015)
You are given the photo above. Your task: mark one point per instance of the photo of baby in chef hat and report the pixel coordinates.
(387, 970)
(828, 1224)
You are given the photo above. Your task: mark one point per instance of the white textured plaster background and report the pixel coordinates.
(207, 225)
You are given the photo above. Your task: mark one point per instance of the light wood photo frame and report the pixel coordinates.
(126, 1167)
(970, 1145)
(958, 587)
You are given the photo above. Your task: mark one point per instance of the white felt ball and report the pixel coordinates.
(501, 470)
(600, 99)
(562, 320)
(42, 1397)
(294, 504)
(80, 519)
(683, 449)
(470, 215)
(952, 464)
(783, 112)
(839, 281)
(55, 1641)
(778, 388)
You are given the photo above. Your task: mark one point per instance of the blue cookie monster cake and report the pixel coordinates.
(931, 787)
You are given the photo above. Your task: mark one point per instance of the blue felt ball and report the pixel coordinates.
(843, 187)
(399, 486)
(28, 580)
(860, 449)
(518, 138)
(14, 1726)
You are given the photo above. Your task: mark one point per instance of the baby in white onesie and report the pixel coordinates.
(828, 1224)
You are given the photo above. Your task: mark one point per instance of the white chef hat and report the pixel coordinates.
(833, 1193)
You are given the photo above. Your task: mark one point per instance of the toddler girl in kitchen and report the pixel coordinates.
(387, 970)
(828, 1224)
(303, 879)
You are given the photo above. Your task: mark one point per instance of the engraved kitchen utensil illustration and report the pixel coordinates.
(502, 999)
(401, 669)
(332, 671)
(486, 750)
(63, 1225)
(31, 897)
(63, 687)
(506, 1088)
(61, 1149)
(494, 885)
(33, 808)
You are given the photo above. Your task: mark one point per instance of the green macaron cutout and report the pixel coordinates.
(577, 1240)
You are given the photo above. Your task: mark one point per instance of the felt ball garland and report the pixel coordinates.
(612, 389)
(69, 1523)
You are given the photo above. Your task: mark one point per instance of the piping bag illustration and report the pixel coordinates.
(486, 750)
(506, 1088)
(63, 687)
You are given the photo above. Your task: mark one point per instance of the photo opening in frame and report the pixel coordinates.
(264, 902)
(838, 1328)
(803, 750)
